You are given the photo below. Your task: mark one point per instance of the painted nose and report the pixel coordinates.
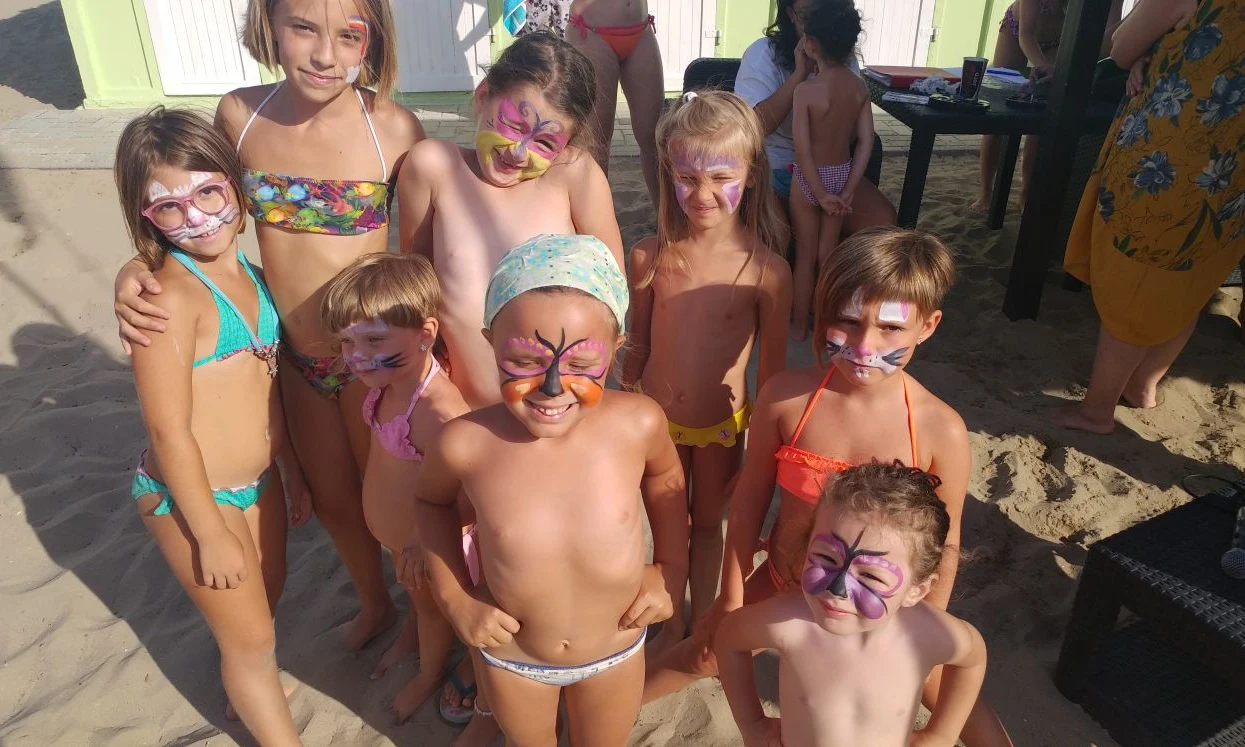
(194, 216)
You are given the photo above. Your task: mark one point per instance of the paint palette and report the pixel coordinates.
(962, 106)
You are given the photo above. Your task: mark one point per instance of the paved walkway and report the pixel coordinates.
(87, 138)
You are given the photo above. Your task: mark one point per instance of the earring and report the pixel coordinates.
(423, 347)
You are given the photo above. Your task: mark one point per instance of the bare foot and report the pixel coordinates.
(480, 732)
(413, 694)
(980, 207)
(288, 684)
(404, 645)
(1073, 416)
(1141, 400)
(367, 625)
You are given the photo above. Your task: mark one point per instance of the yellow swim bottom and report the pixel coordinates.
(722, 434)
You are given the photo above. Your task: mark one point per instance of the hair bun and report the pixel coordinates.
(687, 97)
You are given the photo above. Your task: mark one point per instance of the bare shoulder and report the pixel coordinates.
(641, 414)
(579, 167)
(937, 633)
(430, 159)
(772, 270)
(464, 440)
(791, 386)
(642, 255)
(237, 106)
(393, 119)
(444, 400)
(935, 420)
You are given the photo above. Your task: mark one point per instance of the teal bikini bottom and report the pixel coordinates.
(243, 497)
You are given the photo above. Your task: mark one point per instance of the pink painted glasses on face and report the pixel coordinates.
(169, 213)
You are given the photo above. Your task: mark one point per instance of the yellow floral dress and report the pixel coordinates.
(1162, 219)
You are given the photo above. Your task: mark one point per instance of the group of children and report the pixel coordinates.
(489, 455)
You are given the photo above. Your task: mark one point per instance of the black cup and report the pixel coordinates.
(971, 75)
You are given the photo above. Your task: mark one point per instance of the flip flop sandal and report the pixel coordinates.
(481, 712)
(456, 715)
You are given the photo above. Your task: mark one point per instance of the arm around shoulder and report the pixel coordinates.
(774, 312)
(423, 167)
(640, 315)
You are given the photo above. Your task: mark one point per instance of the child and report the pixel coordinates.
(703, 291)
(319, 151)
(552, 473)
(206, 488)
(860, 614)
(382, 309)
(530, 173)
(828, 111)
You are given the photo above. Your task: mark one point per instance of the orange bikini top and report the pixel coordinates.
(803, 473)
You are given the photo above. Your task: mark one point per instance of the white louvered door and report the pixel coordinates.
(443, 45)
(686, 29)
(895, 32)
(197, 48)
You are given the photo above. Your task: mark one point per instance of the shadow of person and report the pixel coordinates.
(37, 59)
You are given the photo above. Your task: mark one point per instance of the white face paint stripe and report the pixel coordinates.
(363, 329)
(156, 190)
(855, 305)
(893, 311)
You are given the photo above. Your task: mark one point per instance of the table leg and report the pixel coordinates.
(1003, 181)
(919, 153)
(1093, 618)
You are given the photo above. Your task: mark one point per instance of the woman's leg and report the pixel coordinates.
(326, 450)
(712, 469)
(240, 620)
(643, 85)
(805, 222)
(1115, 362)
(602, 709)
(526, 710)
(1142, 387)
(1007, 53)
(605, 66)
(870, 209)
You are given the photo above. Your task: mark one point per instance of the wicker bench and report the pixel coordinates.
(1176, 675)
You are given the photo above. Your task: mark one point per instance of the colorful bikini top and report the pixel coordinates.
(803, 473)
(341, 207)
(234, 336)
(395, 435)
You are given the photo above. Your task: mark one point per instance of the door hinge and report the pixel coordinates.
(715, 35)
(933, 33)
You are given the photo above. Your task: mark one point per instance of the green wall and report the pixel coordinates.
(741, 23)
(965, 28)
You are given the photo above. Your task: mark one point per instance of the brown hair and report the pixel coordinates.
(883, 264)
(899, 498)
(713, 122)
(179, 138)
(399, 289)
(561, 72)
(380, 61)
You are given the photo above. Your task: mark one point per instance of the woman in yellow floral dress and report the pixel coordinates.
(1162, 220)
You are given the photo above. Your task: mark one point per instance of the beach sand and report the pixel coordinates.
(100, 646)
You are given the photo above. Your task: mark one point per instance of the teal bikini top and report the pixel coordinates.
(235, 336)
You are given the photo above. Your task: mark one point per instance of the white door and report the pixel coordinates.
(197, 48)
(895, 32)
(442, 44)
(686, 29)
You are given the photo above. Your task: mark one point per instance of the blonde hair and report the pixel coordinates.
(380, 61)
(400, 290)
(178, 138)
(882, 264)
(710, 123)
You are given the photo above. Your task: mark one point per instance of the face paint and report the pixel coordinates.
(512, 139)
(842, 580)
(888, 362)
(357, 24)
(855, 306)
(895, 312)
(732, 191)
(191, 210)
(550, 380)
(358, 334)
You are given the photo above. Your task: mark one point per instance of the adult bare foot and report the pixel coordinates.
(413, 694)
(1073, 416)
(404, 645)
(980, 206)
(288, 684)
(368, 624)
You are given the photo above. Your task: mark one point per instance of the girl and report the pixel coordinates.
(828, 111)
(529, 174)
(552, 473)
(382, 310)
(703, 291)
(877, 540)
(206, 488)
(320, 152)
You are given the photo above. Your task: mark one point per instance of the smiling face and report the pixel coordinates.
(321, 44)
(197, 211)
(707, 186)
(377, 352)
(553, 353)
(869, 342)
(519, 135)
(857, 574)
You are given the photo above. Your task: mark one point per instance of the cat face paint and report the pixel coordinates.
(895, 312)
(863, 576)
(357, 24)
(518, 142)
(192, 210)
(551, 369)
(721, 172)
(362, 345)
(886, 361)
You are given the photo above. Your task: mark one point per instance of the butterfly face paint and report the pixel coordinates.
(357, 24)
(549, 375)
(192, 210)
(360, 341)
(518, 141)
(691, 170)
(863, 576)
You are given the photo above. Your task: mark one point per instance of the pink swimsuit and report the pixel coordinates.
(395, 436)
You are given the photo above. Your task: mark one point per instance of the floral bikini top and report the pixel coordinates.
(803, 473)
(341, 207)
(395, 435)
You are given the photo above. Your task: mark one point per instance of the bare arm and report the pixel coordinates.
(952, 462)
(1146, 24)
(135, 313)
(757, 626)
(774, 311)
(863, 151)
(962, 677)
(297, 493)
(773, 110)
(592, 206)
(415, 198)
(639, 326)
(801, 133)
